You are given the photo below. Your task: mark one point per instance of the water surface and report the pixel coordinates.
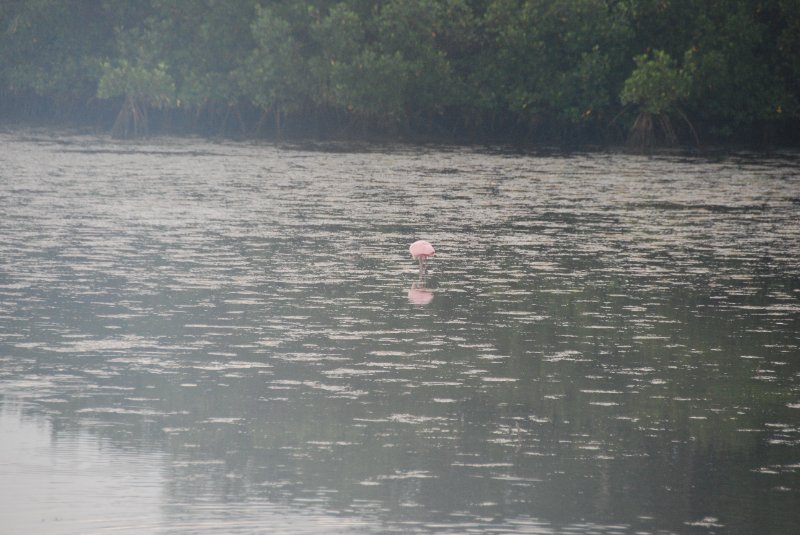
(201, 337)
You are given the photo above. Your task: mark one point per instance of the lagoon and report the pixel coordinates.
(225, 337)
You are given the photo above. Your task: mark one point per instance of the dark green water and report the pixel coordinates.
(203, 337)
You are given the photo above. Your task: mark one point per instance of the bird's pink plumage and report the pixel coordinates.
(421, 248)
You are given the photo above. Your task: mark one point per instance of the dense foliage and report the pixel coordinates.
(569, 71)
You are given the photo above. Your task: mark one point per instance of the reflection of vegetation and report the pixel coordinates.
(538, 69)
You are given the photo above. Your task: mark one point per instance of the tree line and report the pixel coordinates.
(554, 71)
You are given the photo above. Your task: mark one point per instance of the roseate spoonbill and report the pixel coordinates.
(421, 250)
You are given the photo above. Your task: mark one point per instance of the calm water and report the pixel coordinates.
(208, 338)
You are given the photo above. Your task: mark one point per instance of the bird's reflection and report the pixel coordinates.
(419, 294)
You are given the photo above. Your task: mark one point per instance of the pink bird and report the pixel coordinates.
(421, 250)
